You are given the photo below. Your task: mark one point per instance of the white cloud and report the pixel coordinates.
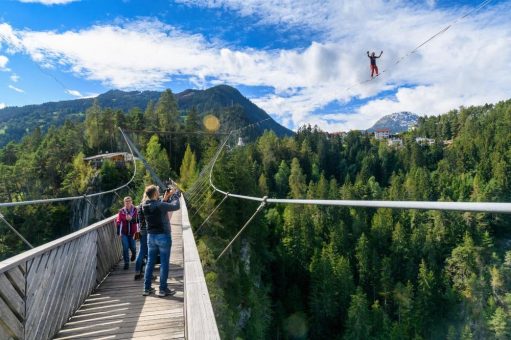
(3, 62)
(2, 105)
(16, 89)
(49, 2)
(14, 78)
(74, 93)
(466, 65)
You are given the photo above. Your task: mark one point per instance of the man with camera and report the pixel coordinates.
(156, 214)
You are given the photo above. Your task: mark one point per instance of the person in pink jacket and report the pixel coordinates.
(127, 226)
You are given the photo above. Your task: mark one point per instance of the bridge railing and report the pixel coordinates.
(41, 288)
(199, 315)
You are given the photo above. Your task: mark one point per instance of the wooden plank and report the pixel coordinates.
(123, 321)
(76, 279)
(11, 297)
(4, 332)
(76, 259)
(83, 281)
(126, 316)
(49, 281)
(9, 321)
(17, 278)
(58, 288)
(174, 327)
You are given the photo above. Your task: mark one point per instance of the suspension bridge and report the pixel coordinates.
(74, 288)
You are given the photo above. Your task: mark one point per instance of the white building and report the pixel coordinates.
(395, 142)
(382, 133)
(424, 140)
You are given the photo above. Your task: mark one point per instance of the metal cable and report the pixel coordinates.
(261, 206)
(64, 199)
(488, 207)
(94, 206)
(204, 203)
(15, 231)
(211, 214)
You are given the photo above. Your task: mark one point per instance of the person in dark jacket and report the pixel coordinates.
(374, 68)
(127, 226)
(142, 236)
(156, 216)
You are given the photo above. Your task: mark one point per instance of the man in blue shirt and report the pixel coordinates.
(156, 214)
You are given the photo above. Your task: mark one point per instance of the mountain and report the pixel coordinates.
(396, 122)
(219, 98)
(224, 100)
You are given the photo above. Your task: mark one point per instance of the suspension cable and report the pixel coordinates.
(211, 214)
(87, 199)
(489, 207)
(72, 198)
(15, 231)
(261, 206)
(204, 203)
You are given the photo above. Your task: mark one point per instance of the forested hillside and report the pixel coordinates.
(323, 272)
(224, 101)
(302, 272)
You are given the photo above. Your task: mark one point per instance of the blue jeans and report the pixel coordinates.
(128, 243)
(142, 252)
(158, 243)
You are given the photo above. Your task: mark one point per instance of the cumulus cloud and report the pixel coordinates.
(466, 65)
(49, 2)
(2, 105)
(14, 78)
(16, 89)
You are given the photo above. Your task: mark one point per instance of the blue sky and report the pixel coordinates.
(302, 61)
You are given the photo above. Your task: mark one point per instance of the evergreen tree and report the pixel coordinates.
(157, 158)
(188, 170)
(358, 324)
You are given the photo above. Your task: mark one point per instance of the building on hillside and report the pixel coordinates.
(382, 133)
(119, 158)
(412, 128)
(424, 140)
(394, 141)
(341, 134)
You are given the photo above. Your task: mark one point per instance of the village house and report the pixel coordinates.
(119, 158)
(382, 133)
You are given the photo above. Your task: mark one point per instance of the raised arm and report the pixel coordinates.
(380, 54)
(172, 205)
(368, 53)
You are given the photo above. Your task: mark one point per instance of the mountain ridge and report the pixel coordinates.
(17, 121)
(396, 122)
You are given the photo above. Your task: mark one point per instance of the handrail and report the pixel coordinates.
(41, 288)
(30, 254)
(200, 320)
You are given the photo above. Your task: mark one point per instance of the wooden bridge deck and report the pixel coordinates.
(117, 309)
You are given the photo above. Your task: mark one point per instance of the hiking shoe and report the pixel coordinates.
(163, 293)
(133, 257)
(148, 291)
(141, 276)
